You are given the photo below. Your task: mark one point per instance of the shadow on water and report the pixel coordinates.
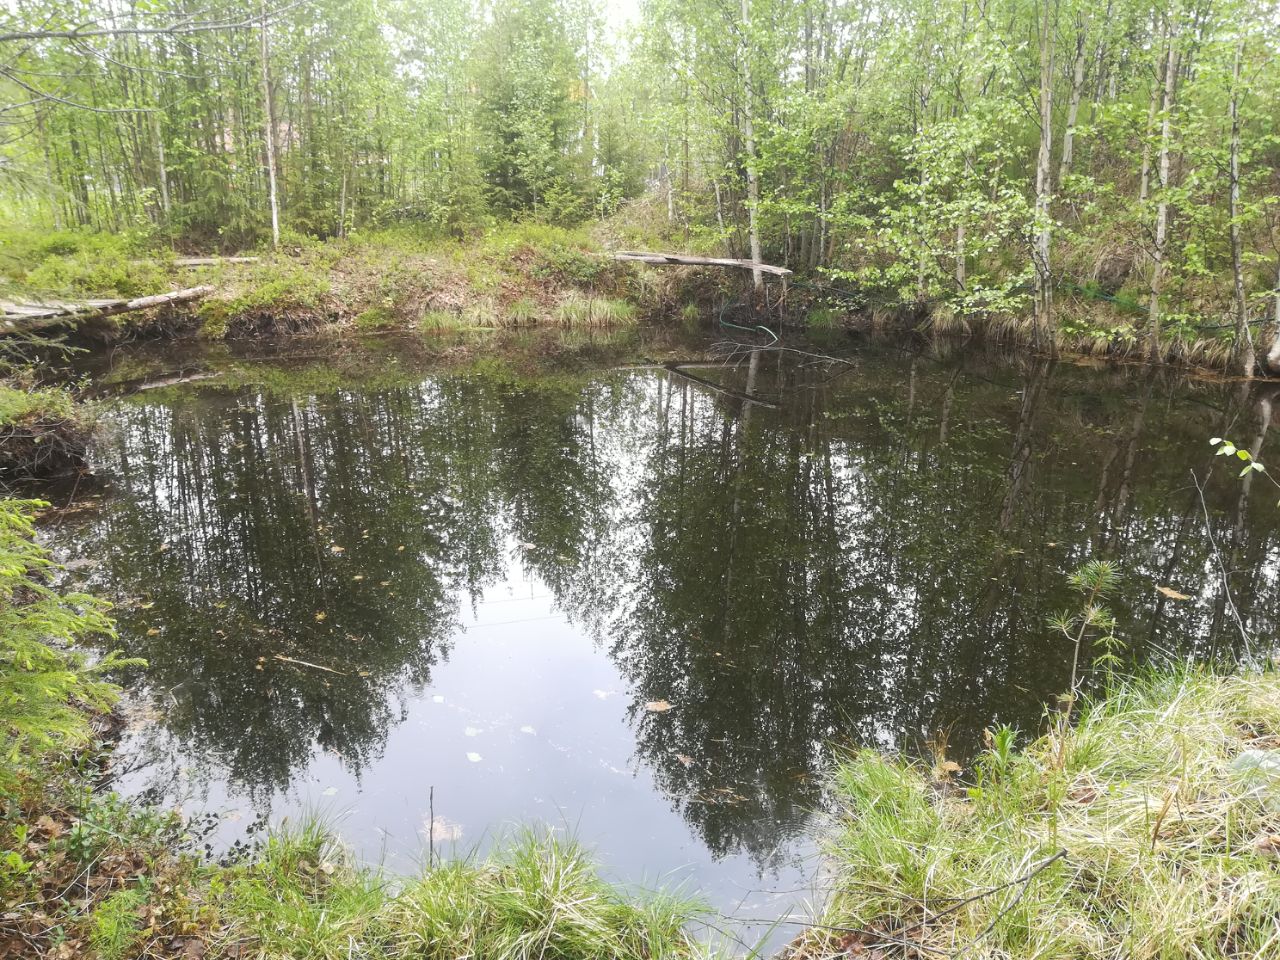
(869, 559)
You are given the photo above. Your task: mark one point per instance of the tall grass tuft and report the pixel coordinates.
(1164, 851)
(579, 310)
(537, 897)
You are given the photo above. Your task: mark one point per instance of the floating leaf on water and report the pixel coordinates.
(474, 757)
(603, 694)
(472, 731)
(321, 616)
(657, 706)
(334, 548)
(153, 632)
(685, 759)
(437, 699)
(529, 730)
(1172, 594)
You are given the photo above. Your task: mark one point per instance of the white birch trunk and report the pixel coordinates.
(269, 132)
(1243, 358)
(1162, 208)
(1042, 329)
(749, 136)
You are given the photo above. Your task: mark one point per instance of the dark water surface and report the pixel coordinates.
(467, 585)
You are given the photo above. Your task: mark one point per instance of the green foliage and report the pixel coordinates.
(578, 310)
(38, 403)
(117, 927)
(1094, 581)
(375, 318)
(45, 685)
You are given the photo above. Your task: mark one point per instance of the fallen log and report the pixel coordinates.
(22, 317)
(211, 261)
(201, 261)
(681, 260)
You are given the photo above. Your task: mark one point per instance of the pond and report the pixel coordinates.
(640, 607)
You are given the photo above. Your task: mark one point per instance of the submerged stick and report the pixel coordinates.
(303, 663)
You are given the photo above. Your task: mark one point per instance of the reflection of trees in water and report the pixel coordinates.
(873, 561)
(849, 567)
(341, 532)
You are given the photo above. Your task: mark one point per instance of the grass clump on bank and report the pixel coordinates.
(43, 432)
(538, 896)
(1163, 848)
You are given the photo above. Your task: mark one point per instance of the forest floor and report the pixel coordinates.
(1148, 828)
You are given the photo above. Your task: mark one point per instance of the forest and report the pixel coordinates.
(1107, 170)
(639, 479)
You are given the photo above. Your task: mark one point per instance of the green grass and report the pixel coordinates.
(578, 310)
(1166, 852)
(116, 925)
(537, 897)
(40, 403)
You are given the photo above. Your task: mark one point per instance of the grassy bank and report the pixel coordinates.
(1133, 834)
(43, 432)
(91, 877)
(516, 275)
(523, 275)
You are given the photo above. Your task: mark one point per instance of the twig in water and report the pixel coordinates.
(1222, 569)
(304, 663)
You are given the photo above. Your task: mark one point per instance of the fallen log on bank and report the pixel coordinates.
(24, 317)
(201, 261)
(681, 260)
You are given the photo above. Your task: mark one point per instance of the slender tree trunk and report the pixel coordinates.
(160, 164)
(1073, 104)
(269, 131)
(342, 205)
(1042, 330)
(1273, 354)
(1243, 360)
(749, 136)
(1162, 208)
(1144, 180)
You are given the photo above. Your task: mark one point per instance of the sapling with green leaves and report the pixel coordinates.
(1251, 465)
